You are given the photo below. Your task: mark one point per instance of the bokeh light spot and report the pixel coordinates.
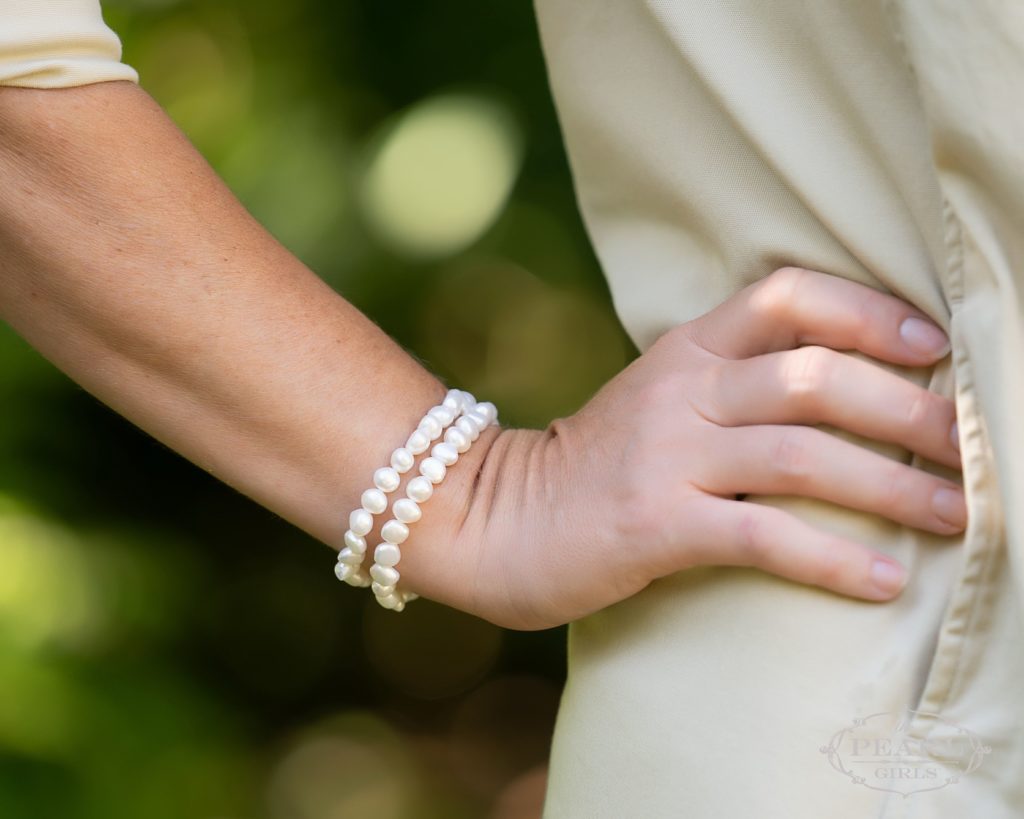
(356, 766)
(440, 653)
(201, 73)
(536, 350)
(46, 591)
(441, 173)
(502, 729)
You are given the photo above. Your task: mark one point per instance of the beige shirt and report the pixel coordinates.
(881, 140)
(55, 43)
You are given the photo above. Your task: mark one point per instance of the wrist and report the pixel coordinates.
(474, 558)
(436, 542)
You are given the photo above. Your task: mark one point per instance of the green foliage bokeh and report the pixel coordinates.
(168, 648)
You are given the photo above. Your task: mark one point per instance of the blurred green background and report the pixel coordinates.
(168, 648)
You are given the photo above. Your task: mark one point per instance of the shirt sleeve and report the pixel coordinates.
(58, 43)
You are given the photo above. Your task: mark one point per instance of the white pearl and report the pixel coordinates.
(468, 428)
(402, 460)
(410, 596)
(385, 575)
(355, 542)
(381, 591)
(360, 522)
(374, 501)
(419, 489)
(457, 438)
(386, 479)
(346, 555)
(441, 414)
(477, 418)
(418, 442)
(432, 469)
(406, 510)
(445, 453)
(387, 554)
(399, 605)
(453, 400)
(430, 427)
(394, 531)
(343, 571)
(389, 601)
(488, 411)
(359, 578)
(468, 401)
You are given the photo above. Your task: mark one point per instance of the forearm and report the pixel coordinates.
(131, 266)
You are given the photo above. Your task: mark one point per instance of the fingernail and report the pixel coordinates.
(888, 577)
(954, 436)
(950, 506)
(924, 337)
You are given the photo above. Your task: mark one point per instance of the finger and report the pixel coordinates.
(740, 533)
(815, 385)
(794, 306)
(798, 460)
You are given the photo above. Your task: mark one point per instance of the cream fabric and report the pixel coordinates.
(879, 140)
(56, 43)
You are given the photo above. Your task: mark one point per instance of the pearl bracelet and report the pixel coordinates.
(457, 404)
(473, 419)
(386, 480)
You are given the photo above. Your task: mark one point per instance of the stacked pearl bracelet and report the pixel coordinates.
(471, 419)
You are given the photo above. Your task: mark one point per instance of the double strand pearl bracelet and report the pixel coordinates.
(461, 418)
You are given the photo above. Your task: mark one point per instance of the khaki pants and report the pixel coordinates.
(712, 142)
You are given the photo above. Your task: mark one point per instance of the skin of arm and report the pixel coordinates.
(128, 263)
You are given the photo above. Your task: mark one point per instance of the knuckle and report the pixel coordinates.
(640, 494)
(709, 389)
(791, 456)
(679, 338)
(659, 392)
(787, 277)
(831, 569)
(920, 409)
(807, 375)
(867, 312)
(895, 489)
(752, 541)
(641, 513)
(774, 295)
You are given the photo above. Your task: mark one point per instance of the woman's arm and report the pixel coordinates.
(129, 264)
